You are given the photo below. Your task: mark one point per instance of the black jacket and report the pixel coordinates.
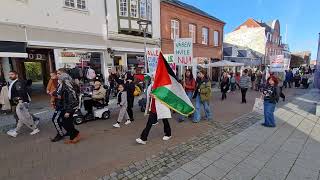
(19, 91)
(271, 94)
(130, 88)
(224, 85)
(68, 101)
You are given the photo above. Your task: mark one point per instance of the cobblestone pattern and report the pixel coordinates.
(158, 166)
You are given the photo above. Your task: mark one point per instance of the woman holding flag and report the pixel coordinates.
(163, 94)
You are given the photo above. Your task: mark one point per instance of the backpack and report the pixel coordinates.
(137, 91)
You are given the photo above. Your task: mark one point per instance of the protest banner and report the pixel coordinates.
(170, 60)
(183, 52)
(152, 58)
(277, 63)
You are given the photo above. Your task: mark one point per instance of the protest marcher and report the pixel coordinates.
(202, 95)
(297, 79)
(52, 87)
(238, 79)
(69, 102)
(253, 80)
(233, 82)
(288, 79)
(244, 85)
(18, 90)
(157, 111)
(224, 85)
(4, 99)
(189, 85)
(130, 88)
(24, 118)
(271, 97)
(123, 103)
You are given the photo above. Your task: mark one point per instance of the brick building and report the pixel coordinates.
(263, 37)
(180, 20)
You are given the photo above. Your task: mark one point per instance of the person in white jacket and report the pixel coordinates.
(156, 111)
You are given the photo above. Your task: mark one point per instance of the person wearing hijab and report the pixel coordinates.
(68, 102)
(130, 88)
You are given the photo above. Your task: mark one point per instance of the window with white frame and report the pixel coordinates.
(134, 8)
(193, 32)
(123, 7)
(216, 38)
(175, 29)
(143, 9)
(69, 3)
(149, 9)
(205, 35)
(81, 4)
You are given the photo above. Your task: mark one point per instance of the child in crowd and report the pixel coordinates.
(122, 102)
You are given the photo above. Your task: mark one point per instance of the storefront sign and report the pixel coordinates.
(152, 58)
(183, 51)
(277, 63)
(170, 60)
(37, 57)
(74, 57)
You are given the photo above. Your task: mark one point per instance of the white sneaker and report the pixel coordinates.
(140, 141)
(12, 133)
(36, 131)
(166, 138)
(128, 122)
(155, 124)
(116, 125)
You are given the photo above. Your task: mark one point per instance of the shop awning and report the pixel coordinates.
(55, 38)
(13, 49)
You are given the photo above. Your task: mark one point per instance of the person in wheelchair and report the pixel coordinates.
(97, 99)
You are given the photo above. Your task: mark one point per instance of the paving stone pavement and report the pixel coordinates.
(243, 149)
(289, 151)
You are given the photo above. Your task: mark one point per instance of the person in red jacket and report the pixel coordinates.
(189, 85)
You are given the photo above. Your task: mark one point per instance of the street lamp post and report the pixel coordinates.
(143, 24)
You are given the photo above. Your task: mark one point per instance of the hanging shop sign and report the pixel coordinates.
(74, 57)
(41, 57)
(183, 52)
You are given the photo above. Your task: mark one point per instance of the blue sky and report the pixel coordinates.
(302, 17)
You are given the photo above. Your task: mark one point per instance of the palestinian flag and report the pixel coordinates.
(169, 91)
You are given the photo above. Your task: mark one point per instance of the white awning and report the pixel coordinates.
(225, 63)
(12, 54)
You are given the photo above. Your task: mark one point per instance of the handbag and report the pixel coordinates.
(258, 106)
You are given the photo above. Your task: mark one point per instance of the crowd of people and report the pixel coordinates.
(64, 95)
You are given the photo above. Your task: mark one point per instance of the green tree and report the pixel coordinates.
(33, 71)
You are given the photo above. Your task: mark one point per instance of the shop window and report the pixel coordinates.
(175, 29)
(205, 35)
(123, 7)
(216, 38)
(193, 32)
(134, 8)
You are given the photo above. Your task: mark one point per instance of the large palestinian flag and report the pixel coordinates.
(169, 91)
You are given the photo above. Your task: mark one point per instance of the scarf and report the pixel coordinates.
(66, 79)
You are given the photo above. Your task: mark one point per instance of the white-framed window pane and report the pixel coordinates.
(175, 29)
(69, 3)
(216, 38)
(205, 35)
(149, 9)
(143, 9)
(81, 4)
(134, 8)
(123, 7)
(192, 32)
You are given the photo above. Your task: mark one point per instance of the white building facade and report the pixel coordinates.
(125, 39)
(49, 32)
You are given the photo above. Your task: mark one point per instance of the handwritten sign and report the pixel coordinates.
(183, 51)
(170, 60)
(152, 58)
(277, 63)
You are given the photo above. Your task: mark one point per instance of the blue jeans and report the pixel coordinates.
(269, 114)
(189, 94)
(207, 110)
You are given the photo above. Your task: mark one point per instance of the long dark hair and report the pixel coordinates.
(191, 74)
